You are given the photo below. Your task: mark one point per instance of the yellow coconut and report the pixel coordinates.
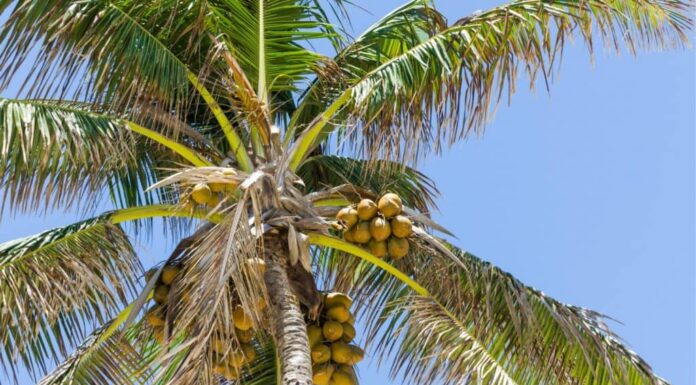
(214, 200)
(332, 330)
(361, 232)
(401, 226)
(342, 378)
(201, 193)
(378, 248)
(158, 334)
(390, 205)
(398, 247)
(256, 265)
(336, 298)
(356, 354)
(320, 354)
(155, 317)
(244, 336)
(367, 209)
(351, 320)
(314, 334)
(348, 215)
(219, 345)
(261, 304)
(338, 313)
(341, 353)
(321, 374)
(348, 332)
(348, 236)
(236, 359)
(161, 294)
(345, 369)
(249, 352)
(217, 187)
(380, 229)
(169, 273)
(241, 319)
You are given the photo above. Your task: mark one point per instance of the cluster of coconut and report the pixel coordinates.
(229, 353)
(210, 194)
(380, 226)
(329, 336)
(157, 314)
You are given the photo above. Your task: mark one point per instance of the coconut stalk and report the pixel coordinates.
(289, 328)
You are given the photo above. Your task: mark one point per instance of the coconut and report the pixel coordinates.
(332, 330)
(320, 354)
(341, 353)
(380, 229)
(348, 235)
(236, 359)
(244, 336)
(378, 248)
(336, 298)
(338, 313)
(398, 247)
(214, 200)
(158, 334)
(249, 352)
(321, 374)
(346, 369)
(155, 317)
(201, 193)
(169, 273)
(218, 345)
(161, 294)
(342, 378)
(241, 319)
(351, 320)
(390, 205)
(367, 209)
(348, 332)
(314, 335)
(356, 354)
(348, 215)
(224, 370)
(257, 265)
(216, 187)
(401, 226)
(361, 232)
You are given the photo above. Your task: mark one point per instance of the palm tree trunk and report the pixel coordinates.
(289, 325)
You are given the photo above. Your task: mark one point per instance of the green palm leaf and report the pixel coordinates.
(57, 283)
(418, 83)
(54, 153)
(479, 322)
(100, 361)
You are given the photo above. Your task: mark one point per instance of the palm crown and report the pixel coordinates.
(215, 115)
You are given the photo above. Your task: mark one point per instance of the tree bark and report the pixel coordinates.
(289, 325)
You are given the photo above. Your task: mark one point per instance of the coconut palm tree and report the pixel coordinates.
(216, 116)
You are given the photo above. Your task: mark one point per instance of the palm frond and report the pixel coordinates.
(266, 37)
(418, 83)
(55, 153)
(58, 283)
(475, 322)
(100, 361)
(99, 49)
(326, 171)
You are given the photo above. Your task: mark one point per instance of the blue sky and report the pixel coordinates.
(586, 193)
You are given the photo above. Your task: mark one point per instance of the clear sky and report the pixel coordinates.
(586, 193)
